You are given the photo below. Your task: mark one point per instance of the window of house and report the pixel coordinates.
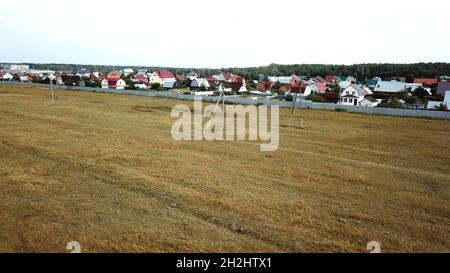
(350, 100)
(345, 100)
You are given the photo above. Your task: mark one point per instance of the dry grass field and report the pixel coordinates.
(100, 170)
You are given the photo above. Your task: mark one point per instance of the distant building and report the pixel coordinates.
(199, 83)
(442, 88)
(5, 76)
(17, 67)
(428, 82)
(389, 88)
(113, 81)
(352, 95)
(160, 77)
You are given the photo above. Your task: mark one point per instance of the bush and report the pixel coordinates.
(289, 97)
(315, 97)
(395, 103)
(156, 86)
(443, 107)
(411, 100)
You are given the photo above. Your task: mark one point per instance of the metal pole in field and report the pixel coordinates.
(301, 113)
(292, 110)
(221, 97)
(51, 86)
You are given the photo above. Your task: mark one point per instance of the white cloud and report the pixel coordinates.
(201, 33)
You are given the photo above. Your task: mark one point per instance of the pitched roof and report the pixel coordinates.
(235, 86)
(371, 99)
(426, 81)
(442, 87)
(165, 74)
(320, 79)
(390, 86)
(371, 82)
(235, 78)
(330, 78)
(321, 86)
(357, 88)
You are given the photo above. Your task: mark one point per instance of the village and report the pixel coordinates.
(395, 92)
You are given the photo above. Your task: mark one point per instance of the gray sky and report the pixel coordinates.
(212, 33)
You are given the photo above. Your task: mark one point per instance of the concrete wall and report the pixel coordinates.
(244, 101)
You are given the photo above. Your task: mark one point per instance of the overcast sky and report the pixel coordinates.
(226, 33)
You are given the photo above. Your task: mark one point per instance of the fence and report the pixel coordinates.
(245, 101)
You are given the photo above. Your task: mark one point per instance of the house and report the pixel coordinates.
(317, 87)
(344, 84)
(389, 88)
(235, 87)
(413, 86)
(442, 88)
(351, 79)
(437, 104)
(25, 78)
(295, 80)
(127, 71)
(5, 76)
(161, 77)
(263, 86)
(113, 81)
(70, 80)
(352, 95)
(282, 80)
(96, 76)
(285, 88)
(168, 83)
(444, 78)
(427, 82)
(319, 79)
(370, 102)
(141, 77)
(372, 83)
(199, 83)
(340, 79)
(330, 78)
(192, 75)
(51, 77)
(180, 76)
(213, 81)
(113, 84)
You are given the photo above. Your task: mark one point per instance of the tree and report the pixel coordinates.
(411, 100)
(315, 97)
(276, 86)
(395, 103)
(156, 86)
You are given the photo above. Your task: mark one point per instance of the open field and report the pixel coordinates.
(100, 170)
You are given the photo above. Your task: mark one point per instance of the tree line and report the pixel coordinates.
(360, 71)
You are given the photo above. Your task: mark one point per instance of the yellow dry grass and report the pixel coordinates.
(99, 170)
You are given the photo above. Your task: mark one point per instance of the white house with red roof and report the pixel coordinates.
(113, 81)
(5, 76)
(141, 77)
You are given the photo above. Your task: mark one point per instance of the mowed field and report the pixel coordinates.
(101, 170)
